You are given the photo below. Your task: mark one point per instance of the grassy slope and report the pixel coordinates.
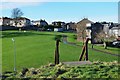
(34, 49)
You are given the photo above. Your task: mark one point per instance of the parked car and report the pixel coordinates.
(116, 44)
(49, 30)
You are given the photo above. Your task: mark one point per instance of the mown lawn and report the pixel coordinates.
(34, 49)
(109, 49)
(0, 55)
(112, 50)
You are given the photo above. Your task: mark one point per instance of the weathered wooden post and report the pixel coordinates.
(57, 52)
(85, 51)
(82, 54)
(86, 44)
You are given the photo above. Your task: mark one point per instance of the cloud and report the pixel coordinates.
(11, 5)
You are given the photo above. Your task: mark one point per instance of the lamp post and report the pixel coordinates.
(14, 54)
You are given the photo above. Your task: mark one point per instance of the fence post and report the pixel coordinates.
(86, 45)
(82, 54)
(85, 50)
(57, 52)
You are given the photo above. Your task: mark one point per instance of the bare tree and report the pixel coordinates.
(16, 13)
(82, 33)
(102, 37)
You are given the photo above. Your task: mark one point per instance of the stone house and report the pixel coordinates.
(83, 29)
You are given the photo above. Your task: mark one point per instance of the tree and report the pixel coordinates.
(102, 37)
(82, 33)
(16, 14)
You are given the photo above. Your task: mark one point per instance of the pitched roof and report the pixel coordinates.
(4, 18)
(85, 20)
(39, 21)
(23, 18)
(114, 25)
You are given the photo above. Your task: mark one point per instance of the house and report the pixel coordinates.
(115, 30)
(104, 31)
(83, 29)
(60, 25)
(5, 21)
(58, 29)
(111, 29)
(71, 26)
(37, 23)
(20, 22)
(5, 24)
(106, 26)
(40, 23)
(96, 29)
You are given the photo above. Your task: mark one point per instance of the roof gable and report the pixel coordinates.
(84, 21)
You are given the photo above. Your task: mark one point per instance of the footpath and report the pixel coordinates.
(74, 44)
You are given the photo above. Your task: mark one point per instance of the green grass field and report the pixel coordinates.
(34, 49)
(109, 49)
(0, 55)
(112, 50)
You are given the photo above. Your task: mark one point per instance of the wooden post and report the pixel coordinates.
(82, 54)
(86, 45)
(57, 52)
(84, 51)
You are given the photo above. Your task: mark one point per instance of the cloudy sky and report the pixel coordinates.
(64, 11)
